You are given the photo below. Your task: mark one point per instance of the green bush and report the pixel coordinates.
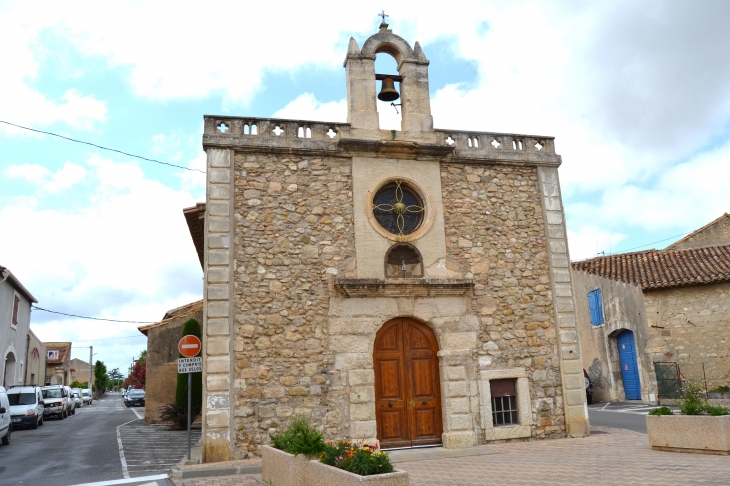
(721, 389)
(299, 438)
(175, 417)
(716, 410)
(357, 458)
(662, 411)
(693, 400)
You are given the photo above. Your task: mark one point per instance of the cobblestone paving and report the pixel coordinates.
(153, 449)
(607, 457)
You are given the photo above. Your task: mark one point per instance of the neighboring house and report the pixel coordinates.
(79, 370)
(37, 356)
(162, 353)
(15, 302)
(644, 316)
(58, 364)
(409, 286)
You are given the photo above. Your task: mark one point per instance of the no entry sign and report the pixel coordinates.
(189, 346)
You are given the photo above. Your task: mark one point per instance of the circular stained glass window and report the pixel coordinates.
(398, 208)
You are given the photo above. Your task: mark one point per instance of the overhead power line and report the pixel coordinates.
(92, 318)
(655, 242)
(103, 148)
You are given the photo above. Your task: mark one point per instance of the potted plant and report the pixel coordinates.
(350, 464)
(699, 428)
(287, 461)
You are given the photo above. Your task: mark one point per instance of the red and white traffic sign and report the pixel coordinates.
(189, 346)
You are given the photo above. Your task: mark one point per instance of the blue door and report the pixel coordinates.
(629, 370)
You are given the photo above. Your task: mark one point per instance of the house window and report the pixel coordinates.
(16, 304)
(595, 302)
(504, 402)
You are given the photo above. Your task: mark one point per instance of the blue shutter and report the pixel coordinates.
(595, 302)
(599, 307)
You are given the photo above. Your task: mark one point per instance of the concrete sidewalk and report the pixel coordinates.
(608, 457)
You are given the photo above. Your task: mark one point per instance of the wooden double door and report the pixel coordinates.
(407, 385)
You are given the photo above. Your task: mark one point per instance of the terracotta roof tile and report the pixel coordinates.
(185, 310)
(63, 347)
(661, 269)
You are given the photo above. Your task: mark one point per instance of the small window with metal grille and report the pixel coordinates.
(504, 402)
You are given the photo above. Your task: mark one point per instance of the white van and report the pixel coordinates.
(5, 424)
(26, 406)
(86, 396)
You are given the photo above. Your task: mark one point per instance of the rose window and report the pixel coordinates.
(398, 208)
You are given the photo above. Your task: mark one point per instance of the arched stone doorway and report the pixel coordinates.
(407, 385)
(9, 376)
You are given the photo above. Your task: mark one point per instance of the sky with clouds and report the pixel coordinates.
(637, 95)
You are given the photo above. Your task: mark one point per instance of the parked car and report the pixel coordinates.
(134, 398)
(56, 401)
(5, 423)
(86, 396)
(71, 402)
(76, 393)
(26, 406)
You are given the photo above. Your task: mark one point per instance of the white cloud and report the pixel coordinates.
(30, 172)
(590, 241)
(306, 107)
(125, 253)
(63, 178)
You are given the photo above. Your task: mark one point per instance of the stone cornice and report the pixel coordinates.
(406, 287)
(396, 149)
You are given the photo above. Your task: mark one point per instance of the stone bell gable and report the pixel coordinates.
(410, 287)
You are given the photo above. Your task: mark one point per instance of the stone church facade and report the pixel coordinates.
(411, 286)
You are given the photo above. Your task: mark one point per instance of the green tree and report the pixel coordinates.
(181, 393)
(115, 376)
(101, 379)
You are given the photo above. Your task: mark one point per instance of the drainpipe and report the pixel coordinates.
(27, 347)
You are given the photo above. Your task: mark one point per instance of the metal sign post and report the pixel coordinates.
(189, 347)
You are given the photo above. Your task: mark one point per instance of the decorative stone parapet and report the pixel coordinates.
(405, 287)
(571, 367)
(487, 141)
(318, 138)
(702, 434)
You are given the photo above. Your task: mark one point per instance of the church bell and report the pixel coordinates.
(388, 91)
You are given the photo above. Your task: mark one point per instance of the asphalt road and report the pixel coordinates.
(80, 449)
(621, 415)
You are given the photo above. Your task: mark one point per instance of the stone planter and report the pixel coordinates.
(331, 476)
(689, 433)
(279, 468)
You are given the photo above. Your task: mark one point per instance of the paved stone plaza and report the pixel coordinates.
(608, 457)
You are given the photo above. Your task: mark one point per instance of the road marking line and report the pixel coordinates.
(606, 405)
(125, 473)
(136, 413)
(126, 481)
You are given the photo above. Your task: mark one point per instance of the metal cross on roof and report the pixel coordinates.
(383, 14)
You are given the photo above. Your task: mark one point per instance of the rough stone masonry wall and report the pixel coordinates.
(495, 232)
(690, 325)
(293, 232)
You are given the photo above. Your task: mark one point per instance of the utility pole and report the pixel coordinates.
(91, 370)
